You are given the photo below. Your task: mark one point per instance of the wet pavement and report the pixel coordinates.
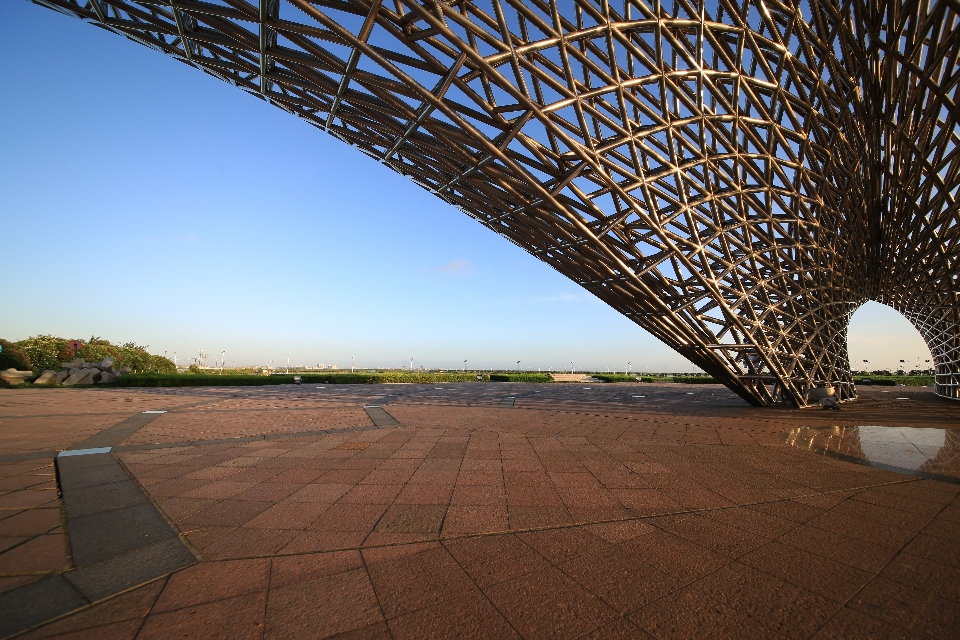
(576, 510)
(934, 453)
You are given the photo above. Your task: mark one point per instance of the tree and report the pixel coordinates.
(12, 356)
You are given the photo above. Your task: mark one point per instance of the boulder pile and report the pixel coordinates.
(79, 372)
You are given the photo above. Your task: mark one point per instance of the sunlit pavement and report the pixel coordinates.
(580, 511)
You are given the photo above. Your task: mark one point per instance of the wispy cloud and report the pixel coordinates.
(457, 267)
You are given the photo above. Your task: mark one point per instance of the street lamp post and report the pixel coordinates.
(288, 363)
(352, 358)
(464, 366)
(411, 364)
(223, 356)
(518, 366)
(571, 366)
(629, 364)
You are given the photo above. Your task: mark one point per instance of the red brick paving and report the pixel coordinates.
(32, 544)
(576, 514)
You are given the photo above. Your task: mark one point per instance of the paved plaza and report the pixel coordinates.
(476, 510)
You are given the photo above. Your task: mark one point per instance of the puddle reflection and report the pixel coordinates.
(930, 451)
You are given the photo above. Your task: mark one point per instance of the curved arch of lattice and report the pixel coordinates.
(735, 176)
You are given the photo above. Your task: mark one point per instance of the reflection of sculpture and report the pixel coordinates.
(947, 460)
(935, 451)
(843, 440)
(736, 178)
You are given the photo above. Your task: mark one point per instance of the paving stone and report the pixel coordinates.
(120, 572)
(97, 537)
(417, 526)
(37, 602)
(106, 497)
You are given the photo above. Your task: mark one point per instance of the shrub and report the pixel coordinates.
(247, 380)
(520, 377)
(892, 381)
(44, 351)
(47, 352)
(696, 380)
(14, 356)
(615, 377)
(126, 355)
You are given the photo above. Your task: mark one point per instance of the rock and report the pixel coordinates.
(124, 371)
(112, 370)
(77, 378)
(105, 364)
(106, 377)
(819, 393)
(12, 376)
(47, 377)
(92, 376)
(63, 375)
(74, 370)
(830, 403)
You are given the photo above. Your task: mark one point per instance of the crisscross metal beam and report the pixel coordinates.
(736, 177)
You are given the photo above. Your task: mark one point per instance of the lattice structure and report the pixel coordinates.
(735, 176)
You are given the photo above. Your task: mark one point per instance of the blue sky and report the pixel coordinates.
(145, 201)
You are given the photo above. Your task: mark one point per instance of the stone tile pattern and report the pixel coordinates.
(32, 544)
(795, 568)
(54, 419)
(217, 421)
(581, 515)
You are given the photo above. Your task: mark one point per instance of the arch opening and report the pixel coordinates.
(882, 341)
(913, 339)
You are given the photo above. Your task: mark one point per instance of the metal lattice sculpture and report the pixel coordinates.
(735, 176)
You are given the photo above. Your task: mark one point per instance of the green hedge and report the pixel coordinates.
(614, 377)
(619, 377)
(696, 380)
(520, 377)
(208, 380)
(891, 381)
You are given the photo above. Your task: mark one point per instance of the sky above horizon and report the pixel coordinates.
(146, 201)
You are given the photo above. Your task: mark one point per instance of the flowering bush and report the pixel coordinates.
(47, 352)
(44, 352)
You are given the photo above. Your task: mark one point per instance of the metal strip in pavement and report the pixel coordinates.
(83, 452)
(380, 417)
(197, 443)
(384, 400)
(507, 401)
(116, 434)
(242, 439)
(118, 539)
